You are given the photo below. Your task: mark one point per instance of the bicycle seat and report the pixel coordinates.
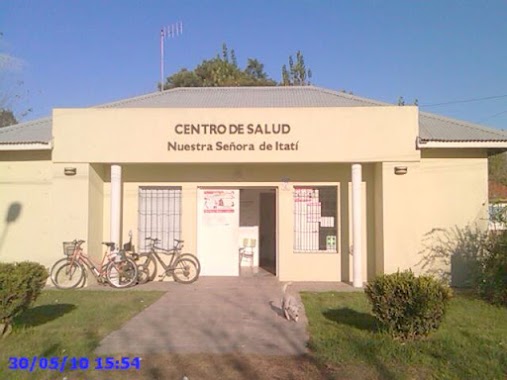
(109, 244)
(156, 240)
(179, 241)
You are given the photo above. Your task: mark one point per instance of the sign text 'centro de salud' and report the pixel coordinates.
(276, 134)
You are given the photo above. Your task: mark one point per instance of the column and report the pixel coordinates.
(115, 204)
(357, 280)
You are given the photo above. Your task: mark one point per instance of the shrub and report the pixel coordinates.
(20, 285)
(490, 275)
(409, 307)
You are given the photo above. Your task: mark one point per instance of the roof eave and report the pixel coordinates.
(26, 146)
(424, 144)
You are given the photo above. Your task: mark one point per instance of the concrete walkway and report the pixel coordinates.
(215, 315)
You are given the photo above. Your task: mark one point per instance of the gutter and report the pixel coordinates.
(26, 146)
(421, 144)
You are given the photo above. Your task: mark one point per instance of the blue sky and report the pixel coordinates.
(57, 54)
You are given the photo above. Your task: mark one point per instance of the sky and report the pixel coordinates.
(81, 53)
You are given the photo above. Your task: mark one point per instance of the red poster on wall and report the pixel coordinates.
(219, 201)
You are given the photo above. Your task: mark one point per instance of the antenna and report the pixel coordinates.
(169, 31)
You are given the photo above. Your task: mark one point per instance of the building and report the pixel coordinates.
(318, 185)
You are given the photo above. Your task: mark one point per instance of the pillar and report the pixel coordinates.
(357, 280)
(115, 204)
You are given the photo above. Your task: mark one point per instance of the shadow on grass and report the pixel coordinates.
(40, 315)
(347, 316)
(52, 350)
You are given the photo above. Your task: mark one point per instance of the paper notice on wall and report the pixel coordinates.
(306, 195)
(327, 221)
(313, 212)
(331, 243)
(219, 201)
(219, 207)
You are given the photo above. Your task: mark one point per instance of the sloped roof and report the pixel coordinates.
(439, 128)
(32, 132)
(244, 97)
(432, 128)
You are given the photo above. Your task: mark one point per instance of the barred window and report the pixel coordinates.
(497, 216)
(315, 219)
(159, 215)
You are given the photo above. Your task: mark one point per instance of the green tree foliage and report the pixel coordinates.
(297, 74)
(221, 71)
(7, 118)
(490, 269)
(20, 285)
(12, 92)
(497, 168)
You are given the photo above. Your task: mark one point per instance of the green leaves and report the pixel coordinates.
(221, 71)
(297, 74)
(7, 118)
(20, 285)
(409, 307)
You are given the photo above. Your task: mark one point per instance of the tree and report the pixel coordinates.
(183, 78)
(497, 168)
(255, 69)
(297, 74)
(221, 71)
(7, 118)
(12, 93)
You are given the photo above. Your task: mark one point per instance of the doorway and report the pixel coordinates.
(267, 232)
(236, 231)
(258, 229)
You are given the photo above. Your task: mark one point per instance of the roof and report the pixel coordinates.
(245, 97)
(36, 133)
(432, 128)
(439, 128)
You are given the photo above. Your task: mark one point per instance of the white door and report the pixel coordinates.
(218, 231)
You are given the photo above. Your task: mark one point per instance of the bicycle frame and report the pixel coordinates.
(174, 252)
(98, 270)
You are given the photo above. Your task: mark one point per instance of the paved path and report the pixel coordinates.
(215, 315)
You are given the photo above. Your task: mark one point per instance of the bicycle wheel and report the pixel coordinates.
(66, 274)
(147, 270)
(194, 258)
(121, 274)
(185, 271)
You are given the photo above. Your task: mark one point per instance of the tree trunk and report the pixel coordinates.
(5, 330)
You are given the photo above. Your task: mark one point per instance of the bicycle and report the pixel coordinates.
(118, 270)
(183, 267)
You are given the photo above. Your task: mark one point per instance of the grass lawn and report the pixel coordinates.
(345, 342)
(470, 344)
(68, 323)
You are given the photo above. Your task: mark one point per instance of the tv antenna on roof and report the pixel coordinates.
(169, 31)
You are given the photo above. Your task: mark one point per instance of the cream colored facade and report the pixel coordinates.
(442, 187)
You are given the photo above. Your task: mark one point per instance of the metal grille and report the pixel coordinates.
(159, 215)
(315, 218)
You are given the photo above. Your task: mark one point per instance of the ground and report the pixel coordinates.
(227, 366)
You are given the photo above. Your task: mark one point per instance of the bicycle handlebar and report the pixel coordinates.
(177, 242)
(109, 244)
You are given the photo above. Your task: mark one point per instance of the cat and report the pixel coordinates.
(290, 305)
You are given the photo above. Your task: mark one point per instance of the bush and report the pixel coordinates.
(20, 285)
(409, 307)
(490, 279)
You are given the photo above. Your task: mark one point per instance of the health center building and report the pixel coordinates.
(305, 183)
